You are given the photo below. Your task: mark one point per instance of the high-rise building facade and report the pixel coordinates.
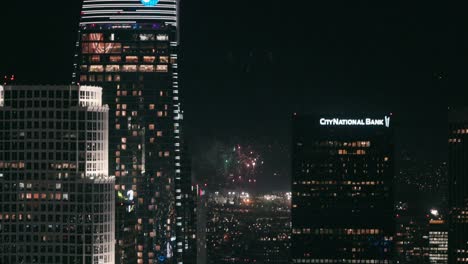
(342, 189)
(458, 185)
(438, 238)
(130, 48)
(57, 198)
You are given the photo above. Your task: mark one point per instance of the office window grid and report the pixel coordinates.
(137, 66)
(342, 199)
(56, 196)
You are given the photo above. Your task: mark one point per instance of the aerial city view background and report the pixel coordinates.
(211, 132)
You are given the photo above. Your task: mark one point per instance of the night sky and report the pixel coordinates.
(247, 66)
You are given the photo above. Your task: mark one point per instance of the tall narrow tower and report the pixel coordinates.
(129, 47)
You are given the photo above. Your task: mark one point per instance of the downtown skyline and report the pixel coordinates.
(339, 61)
(343, 112)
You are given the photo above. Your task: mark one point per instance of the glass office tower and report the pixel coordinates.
(342, 189)
(56, 196)
(130, 49)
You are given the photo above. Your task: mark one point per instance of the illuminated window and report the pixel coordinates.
(131, 59)
(151, 106)
(164, 59)
(96, 37)
(146, 68)
(129, 68)
(84, 48)
(95, 58)
(146, 37)
(96, 68)
(112, 68)
(115, 58)
(151, 127)
(161, 68)
(101, 47)
(162, 37)
(149, 59)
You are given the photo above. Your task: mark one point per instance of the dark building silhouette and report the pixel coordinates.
(342, 189)
(411, 238)
(458, 185)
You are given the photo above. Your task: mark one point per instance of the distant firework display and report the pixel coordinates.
(240, 165)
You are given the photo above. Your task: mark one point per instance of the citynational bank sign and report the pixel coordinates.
(383, 122)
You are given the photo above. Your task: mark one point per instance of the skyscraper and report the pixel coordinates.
(458, 185)
(438, 238)
(130, 48)
(342, 189)
(57, 198)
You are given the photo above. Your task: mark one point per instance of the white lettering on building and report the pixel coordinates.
(355, 122)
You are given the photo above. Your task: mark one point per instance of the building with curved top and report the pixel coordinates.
(130, 48)
(56, 195)
(131, 12)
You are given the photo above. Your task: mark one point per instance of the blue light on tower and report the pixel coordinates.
(149, 2)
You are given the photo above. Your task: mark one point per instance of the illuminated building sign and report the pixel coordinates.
(149, 2)
(355, 122)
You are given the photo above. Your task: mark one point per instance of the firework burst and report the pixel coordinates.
(240, 164)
